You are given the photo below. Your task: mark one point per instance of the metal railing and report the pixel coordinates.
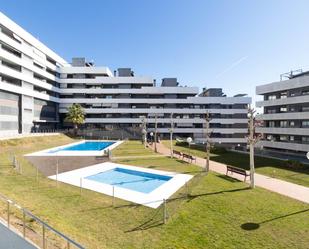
(26, 213)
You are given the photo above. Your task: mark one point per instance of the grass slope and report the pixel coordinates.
(210, 218)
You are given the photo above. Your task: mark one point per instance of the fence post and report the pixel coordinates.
(44, 241)
(57, 165)
(24, 224)
(8, 210)
(68, 245)
(37, 176)
(187, 189)
(20, 168)
(14, 162)
(164, 212)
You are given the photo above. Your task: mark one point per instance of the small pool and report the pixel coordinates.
(85, 146)
(143, 182)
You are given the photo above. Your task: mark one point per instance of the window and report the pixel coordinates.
(283, 124)
(292, 123)
(305, 92)
(283, 109)
(305, 140)
(283, 95)
(271, 97)
(283, 138)
(271, 123)
(305, 109)
(305, 123)
(269, 137)
(291, 138)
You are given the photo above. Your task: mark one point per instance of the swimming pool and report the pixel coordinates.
(148, 187)
(85, 146)
(80, 148)
(131, 179)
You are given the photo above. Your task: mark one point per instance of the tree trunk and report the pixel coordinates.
(75, 130)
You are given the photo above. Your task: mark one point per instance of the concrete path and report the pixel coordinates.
(133, 157)
(291, 190)
(10, 240)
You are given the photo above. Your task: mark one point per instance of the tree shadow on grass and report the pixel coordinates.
(228, 178)
(155, 221)
(249, 226)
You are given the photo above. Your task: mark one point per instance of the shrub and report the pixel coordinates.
(218, 150)
(294, 164)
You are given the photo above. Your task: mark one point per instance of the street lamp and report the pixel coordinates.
(151, 135)
(156, 128)
(189, 141)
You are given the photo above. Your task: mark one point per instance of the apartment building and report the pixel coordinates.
(37, 87)
(29, 92)
(285, 114)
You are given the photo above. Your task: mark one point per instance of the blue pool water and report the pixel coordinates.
(130, 179)
(85, 146)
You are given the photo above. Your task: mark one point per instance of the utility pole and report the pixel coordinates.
(171, 135)
(207, 136)
(155, 137)
(252, 140)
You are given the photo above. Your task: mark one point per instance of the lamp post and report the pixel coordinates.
(155, 137)
(171, 135)
(151, 135)
(189, 141)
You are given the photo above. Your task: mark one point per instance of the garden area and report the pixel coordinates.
(213, 211)
(285, 170)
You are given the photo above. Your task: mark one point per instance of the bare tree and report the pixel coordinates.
(208, 142)
(252, 139)
(144, 131)
(171, 135)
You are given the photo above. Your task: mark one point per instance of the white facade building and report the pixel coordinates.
(286, 115)
(37, 86)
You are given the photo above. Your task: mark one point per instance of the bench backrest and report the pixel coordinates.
(177, 152)
(188, 156)
(236, 170)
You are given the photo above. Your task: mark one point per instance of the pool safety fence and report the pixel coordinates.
(32, 228)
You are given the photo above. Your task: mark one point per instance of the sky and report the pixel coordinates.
(232, 44)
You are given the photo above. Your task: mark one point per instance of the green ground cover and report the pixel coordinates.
(212, 216)
(263, 165)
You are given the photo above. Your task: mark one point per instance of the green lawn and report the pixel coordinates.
(266, 166)
(212, 216)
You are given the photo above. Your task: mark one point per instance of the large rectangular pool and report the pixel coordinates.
(80, 148)
(85, 146)
(131, 179)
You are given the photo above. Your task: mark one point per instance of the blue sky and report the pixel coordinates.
(231, 44)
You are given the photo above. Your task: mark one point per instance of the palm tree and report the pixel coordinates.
(76, 116)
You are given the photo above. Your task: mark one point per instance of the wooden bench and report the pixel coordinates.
(176, 152)
(240, 171)
(189, 157)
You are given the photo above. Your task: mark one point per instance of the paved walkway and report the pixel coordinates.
(291, 190)
(10, 240)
